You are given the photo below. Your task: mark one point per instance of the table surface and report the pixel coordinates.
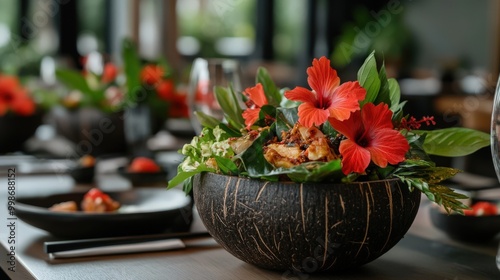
(424, 253)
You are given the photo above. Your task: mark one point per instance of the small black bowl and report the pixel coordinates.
(475, 229)
(141, 179)
(82, 175)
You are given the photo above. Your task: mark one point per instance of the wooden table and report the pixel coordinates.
(425, 252)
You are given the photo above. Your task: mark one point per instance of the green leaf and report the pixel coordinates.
(227, 166)
(383, 95)
(270, 90)
(230, 106)
(206, 120)
(439, 194)
(132, 69)
(253, 157)
(368, 78)
(169, 72)
(286, 118)
(328, 130)
(454, 142)
(417, 151)
(75, 80)
(266, 114)
(184, 175)
(394, 94)
(312, 171)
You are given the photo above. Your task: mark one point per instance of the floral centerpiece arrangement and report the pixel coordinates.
(112, 89)
(354, 131)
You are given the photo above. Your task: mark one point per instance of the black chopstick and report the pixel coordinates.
(66, 245)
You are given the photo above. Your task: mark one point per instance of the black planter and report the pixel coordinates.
(15, 130)
(288, 226)
(94, 132)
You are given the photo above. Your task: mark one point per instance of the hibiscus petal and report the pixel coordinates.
(256, 94)
(377, 117)
(354, 157)
(322, 78)
(345, 100)
(3, 108)
(251, 116)
(388, 146)
(301, 94)
(351, 127)
(310, 115)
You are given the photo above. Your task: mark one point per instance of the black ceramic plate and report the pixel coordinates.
(140, 179)
(466, 228)
(143, 211)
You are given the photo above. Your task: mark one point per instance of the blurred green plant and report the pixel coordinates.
(387, 36)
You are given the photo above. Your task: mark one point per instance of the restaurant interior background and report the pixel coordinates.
(445, 54)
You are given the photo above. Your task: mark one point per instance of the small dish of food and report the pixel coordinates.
(481, 223)
(94, 201)
(143, 171)
(105, 214)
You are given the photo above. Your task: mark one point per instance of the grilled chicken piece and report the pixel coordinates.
(239, 145)
(300, 145)
(68, 206)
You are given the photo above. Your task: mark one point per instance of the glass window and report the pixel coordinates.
(289, 37)
(216, 28)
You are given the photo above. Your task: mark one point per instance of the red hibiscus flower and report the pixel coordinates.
(152, 74)
(370, 137)
(257, 99)
(15, 98)
(327, 99)
(23, 105)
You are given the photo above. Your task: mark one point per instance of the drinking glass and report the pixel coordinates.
(495, 136)
(205, 75)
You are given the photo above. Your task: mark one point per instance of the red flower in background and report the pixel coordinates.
(178, 106)
(14, 97)
(327, 99)
(256, 100)
(370, 137)
(166, 90)
(109, 73)
(152, 74)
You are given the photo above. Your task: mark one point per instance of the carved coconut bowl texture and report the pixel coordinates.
(305, 227)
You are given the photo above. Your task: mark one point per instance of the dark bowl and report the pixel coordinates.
(141, 179)
(306, 227)
(82, 175)
(143, 211)
(94, 131)
(16, 130)
(475, 229)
